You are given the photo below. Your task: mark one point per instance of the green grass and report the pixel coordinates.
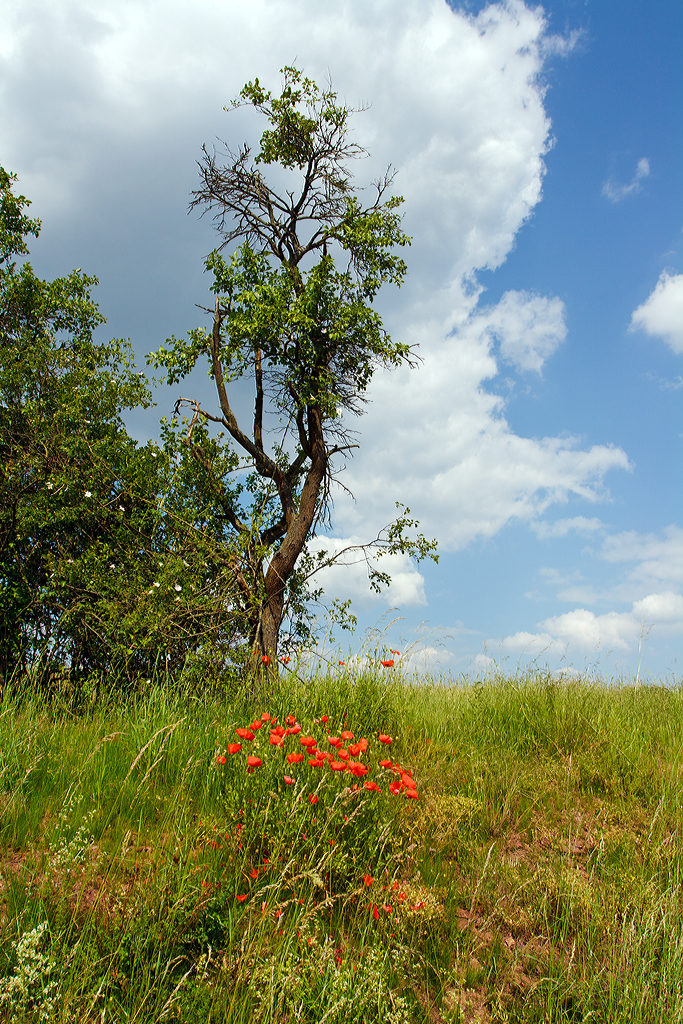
(537, 878)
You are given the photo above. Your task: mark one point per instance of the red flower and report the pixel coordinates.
(286, 660)
(386, 764)
(313, 798)
(335, 741)
(383, 738)
(244, 734)
(265, 660)
(275, 740)
(338, 766)
(290, 719)
(221, 759)
(294, 758)
(387, 908)
(347, 735)
(389, 663)
(265, 717)
(343, 753)
(341, 662)
(254, 762)
(358, 769)
(375, 913)
(234, 748)
(355, 749)
(368, 879)
(395, 787)
(397, 653)
(241, 898)
(307, 741)
(294, 730)
(289, 781)
(254, 873)
(371, 786)
(324, 718)
(316, 762)
(256, 725)
(412, 794)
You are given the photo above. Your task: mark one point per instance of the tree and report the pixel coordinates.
(106, 565)
(292, 311)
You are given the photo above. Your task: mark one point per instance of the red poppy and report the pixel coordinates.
(338, 766)
(241, 898)
(290, 719)
(412, 794)
(389, 663)
(265, 660)
(324, 718)
(294, 758)
(343, 753)
(347, 735)
(407, 780)
(383, 738)
(363, 744)
(286, 660)
(313, 798)
(402, 896)
(355, 749)
(265, 717)
(395, 787)
(386, 764)
(341, 662)
(387, 908)
(316, 762)
(375, 913)
(254, 762)
(254, 873)
(244, 734)
(294, 730)
(279, 730)
(368, 879)
(306, 741)
(234, 748)
(275, 740)
(289, 781)
(256, 725)
(397, 653)
(371, 786)
(221, 759)
(358, 769)
(335, 741)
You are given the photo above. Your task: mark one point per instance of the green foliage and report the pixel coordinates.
(107, 563)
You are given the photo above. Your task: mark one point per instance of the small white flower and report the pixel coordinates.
(121, 508)
(50, 486)
(156, 584)
(112, 566)
(177, 598)
(88, 494)
(177, 587)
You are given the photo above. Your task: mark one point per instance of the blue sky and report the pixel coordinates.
(540, 153)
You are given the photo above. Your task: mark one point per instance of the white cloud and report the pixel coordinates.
(616, 192)
(120, 95)
(659, 558)
(561, 527)
(661, 314)
(348, 577)
(528, 327)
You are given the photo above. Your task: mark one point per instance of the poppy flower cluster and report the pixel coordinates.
(341, 753)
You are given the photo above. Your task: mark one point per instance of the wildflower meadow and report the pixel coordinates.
(354, 845)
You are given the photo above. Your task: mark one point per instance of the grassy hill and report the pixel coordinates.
(508, 850)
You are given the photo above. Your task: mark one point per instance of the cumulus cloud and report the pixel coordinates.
(347, 578)
(661, 315)
(581, 631)
(615, 192)
(109, 105)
